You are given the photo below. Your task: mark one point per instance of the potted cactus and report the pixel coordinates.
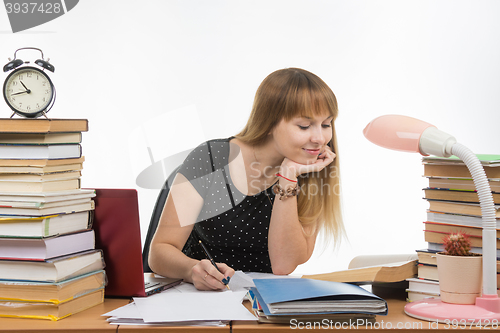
(459, 270)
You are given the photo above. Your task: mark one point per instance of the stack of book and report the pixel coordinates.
(453, 207)
(286, 300)
(49, 267)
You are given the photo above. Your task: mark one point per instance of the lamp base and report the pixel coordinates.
(487, 313)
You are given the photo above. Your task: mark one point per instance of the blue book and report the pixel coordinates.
(307, 296)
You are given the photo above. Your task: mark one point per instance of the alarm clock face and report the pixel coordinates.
(28, 91)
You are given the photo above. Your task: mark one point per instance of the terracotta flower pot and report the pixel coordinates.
(460, 278)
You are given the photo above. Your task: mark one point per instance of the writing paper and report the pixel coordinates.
(169, 307)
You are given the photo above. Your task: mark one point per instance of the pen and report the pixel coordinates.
(212, 260)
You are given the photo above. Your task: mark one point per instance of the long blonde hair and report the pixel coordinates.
(289, 93)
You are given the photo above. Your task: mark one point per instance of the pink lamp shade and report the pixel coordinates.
(396, 132)
(408, 134)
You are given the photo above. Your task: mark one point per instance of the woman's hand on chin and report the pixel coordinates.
(292, 170)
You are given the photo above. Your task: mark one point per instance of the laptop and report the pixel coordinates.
(118, 234)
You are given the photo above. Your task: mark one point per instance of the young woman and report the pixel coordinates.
(256, 200)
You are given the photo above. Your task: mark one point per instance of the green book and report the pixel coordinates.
(485, 159)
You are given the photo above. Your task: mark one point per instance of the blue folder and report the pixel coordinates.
(271, 291)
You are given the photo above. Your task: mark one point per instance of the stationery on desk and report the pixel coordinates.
(299, 296)
(187, 294)
(185, 305)
(280, 300)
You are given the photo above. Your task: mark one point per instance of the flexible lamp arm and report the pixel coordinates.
(412, 135)
(488, 221)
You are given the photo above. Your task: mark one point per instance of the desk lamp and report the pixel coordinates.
(412, 135)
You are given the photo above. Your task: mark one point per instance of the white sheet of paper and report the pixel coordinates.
(130, 310)
(240, 282)
(127, 311)
(169, 307)
(129, 315)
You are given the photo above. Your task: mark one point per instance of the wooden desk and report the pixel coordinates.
(396, 319)
(91, 321)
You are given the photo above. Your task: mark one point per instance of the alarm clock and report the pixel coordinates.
(28, 90)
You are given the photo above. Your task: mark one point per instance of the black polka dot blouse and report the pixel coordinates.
(233, 226)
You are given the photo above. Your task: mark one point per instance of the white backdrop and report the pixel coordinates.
(170, 74)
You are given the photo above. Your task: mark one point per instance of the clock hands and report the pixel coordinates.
(25, 87)
(22, 92)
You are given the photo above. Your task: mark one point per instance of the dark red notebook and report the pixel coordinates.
(118, 234)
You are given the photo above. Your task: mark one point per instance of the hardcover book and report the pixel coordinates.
(52, 270)
(39, 125)
(46, 248)
(45, 226)
(52, 292)
(42, 152)
(50, 310)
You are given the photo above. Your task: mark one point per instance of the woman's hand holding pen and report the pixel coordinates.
(292, 170)
(206, 277)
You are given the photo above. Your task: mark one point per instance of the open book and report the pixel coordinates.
(374, 269)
